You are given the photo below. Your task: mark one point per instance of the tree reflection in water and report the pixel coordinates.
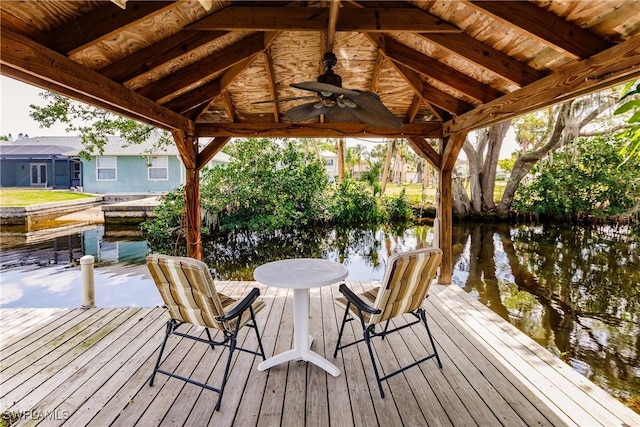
(575, 290)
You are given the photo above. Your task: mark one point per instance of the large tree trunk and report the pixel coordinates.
(461, 203)
(482, 167)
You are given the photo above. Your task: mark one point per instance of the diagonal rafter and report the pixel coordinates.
(436, 70)
(271, 80)
(99, 23)
(546, 27)
(158, 53)
(216, 62)
(485, 56)
(51, 70)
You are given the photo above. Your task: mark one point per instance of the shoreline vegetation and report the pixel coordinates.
(422, 203)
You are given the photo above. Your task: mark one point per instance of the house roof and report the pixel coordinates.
(45, 150)
(441, 67)
(72, 145)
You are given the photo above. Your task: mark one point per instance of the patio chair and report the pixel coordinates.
(403, 289)
(189, 293)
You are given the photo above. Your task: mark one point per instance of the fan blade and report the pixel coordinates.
(340, 114)
(305, 112)
(292, 98)
(324, 87)
(371, 110)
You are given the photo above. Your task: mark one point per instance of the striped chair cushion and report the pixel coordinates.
(189, 292)
(404, 285)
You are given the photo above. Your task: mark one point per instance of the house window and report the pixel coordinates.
(158, 168)
(106, 168)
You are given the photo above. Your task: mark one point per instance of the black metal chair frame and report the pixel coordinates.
(230, 341)
(370, 332)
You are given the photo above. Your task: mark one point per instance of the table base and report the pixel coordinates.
(306, 355)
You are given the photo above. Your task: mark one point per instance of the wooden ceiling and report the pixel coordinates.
(440, 66)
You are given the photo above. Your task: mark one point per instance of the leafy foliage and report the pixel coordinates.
(353, 204)
(398, 208)
(97, 125)
(164, 232)
(589, 181)
(265, 187)
(632, 133)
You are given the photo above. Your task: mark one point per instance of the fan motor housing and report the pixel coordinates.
(330, 78)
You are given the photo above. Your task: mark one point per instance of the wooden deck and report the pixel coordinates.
(90, 367)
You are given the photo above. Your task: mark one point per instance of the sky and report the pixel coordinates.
(15, 98)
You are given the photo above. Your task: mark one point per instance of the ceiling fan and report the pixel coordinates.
(339, 104)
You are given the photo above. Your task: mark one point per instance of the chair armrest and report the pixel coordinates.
(241, 306)
(355, 300)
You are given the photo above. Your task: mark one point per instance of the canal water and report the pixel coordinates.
(573, 289)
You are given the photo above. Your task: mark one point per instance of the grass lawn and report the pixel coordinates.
(21, 197)
(413, 192)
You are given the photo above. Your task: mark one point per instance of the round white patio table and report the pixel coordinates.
(300, 274)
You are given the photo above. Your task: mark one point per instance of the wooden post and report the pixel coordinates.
(193, 221)
(188, 148)
(445, 233)
(450, 149)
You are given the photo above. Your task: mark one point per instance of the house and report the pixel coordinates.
(54, 162)
(39, 162)
(331, 163)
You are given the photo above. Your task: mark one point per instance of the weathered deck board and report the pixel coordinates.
(91, 367)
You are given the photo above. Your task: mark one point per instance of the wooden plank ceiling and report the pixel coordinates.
(439, 66)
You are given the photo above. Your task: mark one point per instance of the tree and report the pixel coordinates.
(631, 105)
(583, 180)
(538, 135)
(94, 125)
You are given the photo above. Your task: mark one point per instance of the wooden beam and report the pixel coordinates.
(250, 18)
(431, 95)
(544, 26)
(334, 8)
(271, 80)
(228, 106)
(143, 60)
(486, 56)
(52, 70)
(423, 148)
(614, 66)
(377, 70)
(210, 150)
(445, 225)
(413, 109)
(99, 23)
(211, 64)
(187, 147)
(317, 130)
(427, 66)
(225, 81)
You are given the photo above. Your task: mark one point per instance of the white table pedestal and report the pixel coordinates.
(300, 274)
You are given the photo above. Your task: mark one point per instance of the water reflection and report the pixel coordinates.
(575, 290)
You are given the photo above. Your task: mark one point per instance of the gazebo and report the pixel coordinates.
(443, 68)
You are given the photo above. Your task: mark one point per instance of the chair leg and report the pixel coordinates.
(344, 320)
(367, 339)
(171, 325)
(255, 326)
(423, 317)
(232, 347)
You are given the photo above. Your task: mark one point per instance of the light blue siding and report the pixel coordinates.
(131, 176)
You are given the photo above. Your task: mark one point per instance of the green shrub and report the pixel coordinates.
(398, 208)
(354, 205)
